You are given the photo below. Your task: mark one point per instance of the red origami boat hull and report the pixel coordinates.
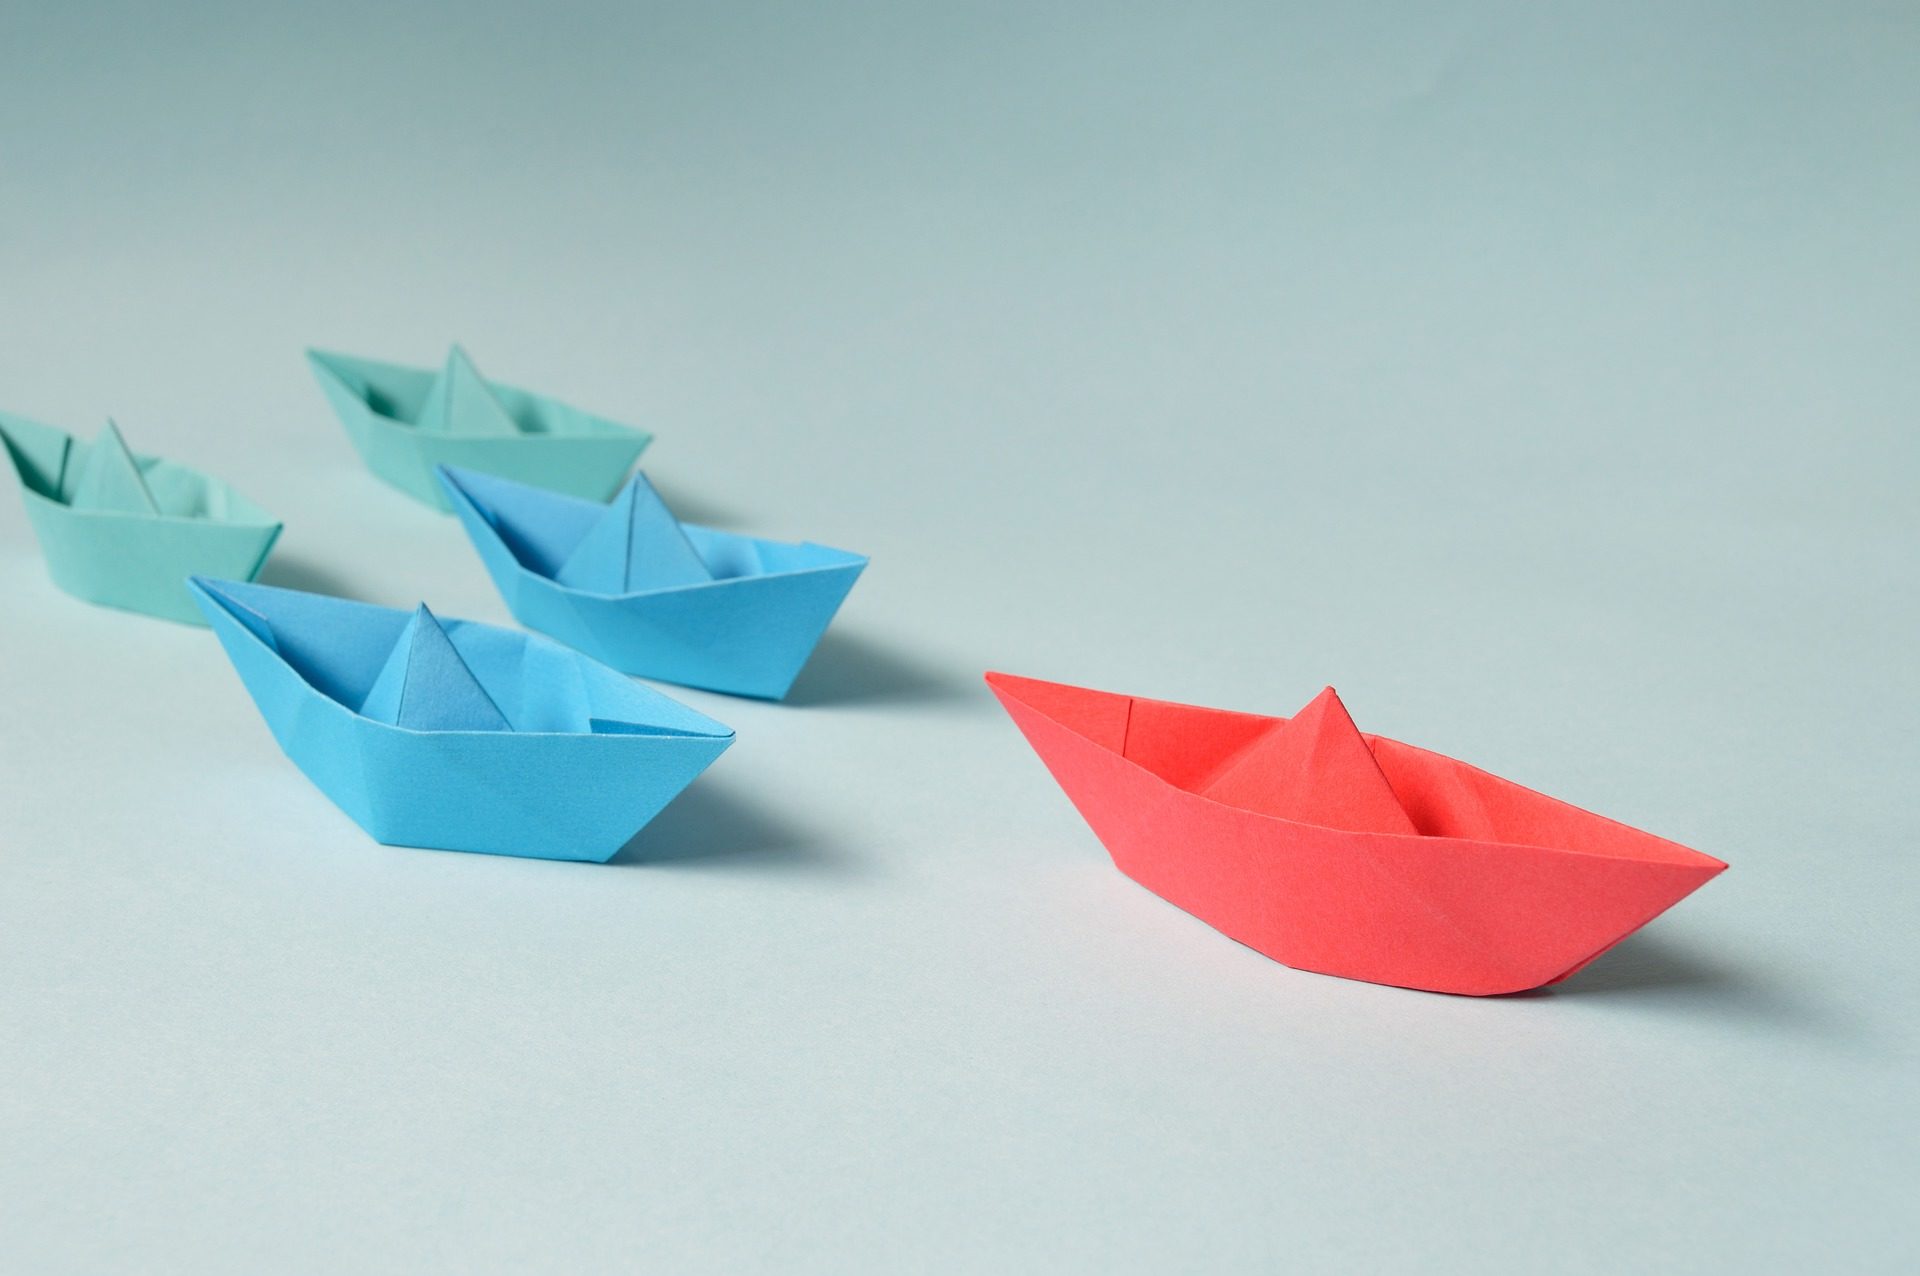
(1501, 890)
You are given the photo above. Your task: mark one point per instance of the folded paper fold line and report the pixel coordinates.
(1315, 768)
(1344, 853)
(636, 545)
(110, 479)
(426, 686)
(461, 402)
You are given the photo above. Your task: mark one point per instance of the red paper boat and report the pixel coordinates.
(1344, 853)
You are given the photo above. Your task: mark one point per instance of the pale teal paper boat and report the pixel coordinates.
(404, 421)
(631, 585)
(455, 735)
(124, 530)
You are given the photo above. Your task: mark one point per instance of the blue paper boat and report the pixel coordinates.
(630, 584)
(457, 735)
(125, 530)
(404, 421)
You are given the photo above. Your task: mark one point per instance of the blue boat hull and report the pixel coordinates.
(543, 794)
(747, 635)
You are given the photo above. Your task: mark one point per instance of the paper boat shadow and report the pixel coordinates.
(1654, 968)
(1647, 963)
(291, 571)
(696, 507)
(849, 667)
(714, 823)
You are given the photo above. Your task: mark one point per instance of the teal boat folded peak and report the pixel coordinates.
(404, 421)
(454, 735)
(125, 530)
(631, 585)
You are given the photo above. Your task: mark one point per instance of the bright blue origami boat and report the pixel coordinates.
(457, 735)
(404, 421)
(631, 585)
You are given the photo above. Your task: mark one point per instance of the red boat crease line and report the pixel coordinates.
(1468, 936)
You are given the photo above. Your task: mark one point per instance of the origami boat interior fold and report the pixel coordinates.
(104, 476)
(1317, 768)
(426, 686)
(110, 479)
(1314, 768)
(461, 402)
(633, 545)
(417, 672)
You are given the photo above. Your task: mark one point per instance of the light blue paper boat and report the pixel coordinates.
(404, 421)
(630, 584)
(126, 531)
(457, 735)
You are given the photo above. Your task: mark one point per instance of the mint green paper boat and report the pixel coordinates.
(126, 531)
(404, 421)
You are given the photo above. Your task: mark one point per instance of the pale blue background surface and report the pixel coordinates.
(1542, 378)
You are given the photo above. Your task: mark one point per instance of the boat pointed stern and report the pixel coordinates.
(1666, 883)
(325, 364)
(340, 380)
(691, 755)
(814, 599)
(478, 521)
(259, 544)
(227, 613)
(1538, 915)
(1678, 886)
(39, 454)
(1648, 876)
(449, 479)
(676, 766)
(1100, 716)
(256, 650)
(346, 395)
(517, 528)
